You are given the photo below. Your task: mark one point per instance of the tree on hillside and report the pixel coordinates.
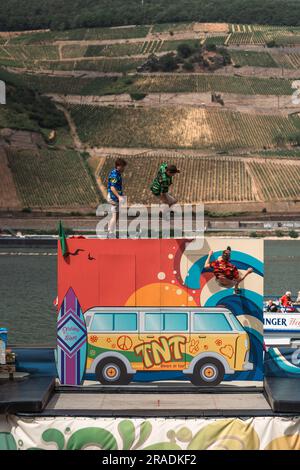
(184, 50)
(67, 14)
(168, 63)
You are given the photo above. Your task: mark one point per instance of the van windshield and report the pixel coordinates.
(211, 322)
(236, 323)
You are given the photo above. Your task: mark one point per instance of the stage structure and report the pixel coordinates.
(145, 311)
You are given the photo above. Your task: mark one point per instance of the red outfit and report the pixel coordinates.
(285, 301)
(224, 268)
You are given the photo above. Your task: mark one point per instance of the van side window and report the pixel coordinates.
(176, 322)
(166, 322)
(114, 322)
(211, 322)
(153, 321)
(125, 322)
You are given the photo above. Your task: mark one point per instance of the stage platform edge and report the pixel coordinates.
(283, 394)
(29, 395)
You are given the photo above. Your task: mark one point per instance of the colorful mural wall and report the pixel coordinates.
(282, 362)
(154, 273)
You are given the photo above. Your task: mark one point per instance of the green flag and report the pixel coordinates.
(62, 239)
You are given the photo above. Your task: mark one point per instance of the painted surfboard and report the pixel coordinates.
(71, 348)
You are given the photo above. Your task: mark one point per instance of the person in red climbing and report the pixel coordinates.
(226, 274)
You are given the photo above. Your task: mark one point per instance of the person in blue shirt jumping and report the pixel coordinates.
(115, 192)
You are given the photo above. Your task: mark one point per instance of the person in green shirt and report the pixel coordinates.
(162, 182)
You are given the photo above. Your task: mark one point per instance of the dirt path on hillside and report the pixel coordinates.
(197, 31)
(104, 57)
(8, 192)
(251, 104)
(64, 73)
(73, 130)
(12, 34)
(98, 57)
(101, 186)
(102, 152)
(243, 154)
(164, 36)
(79, 146)
(144, 151)
(60, 53)
(246, 71)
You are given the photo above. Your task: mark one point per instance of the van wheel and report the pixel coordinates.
(112, 371)
(208, 371)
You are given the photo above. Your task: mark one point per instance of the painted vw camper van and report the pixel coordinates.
(202, 343)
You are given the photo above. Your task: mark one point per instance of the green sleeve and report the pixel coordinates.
(163, 179)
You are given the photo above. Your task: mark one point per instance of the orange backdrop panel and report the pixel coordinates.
(121, 272)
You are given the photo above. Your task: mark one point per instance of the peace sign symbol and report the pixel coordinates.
(124, 343)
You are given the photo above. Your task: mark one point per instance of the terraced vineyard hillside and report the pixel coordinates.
(151, 84)
(254, 59)
(178, 127)
(50, 178)
(29, 52)
(211, 179)
(218, 99)
(289, 60)
(269, 176)
(262, 35)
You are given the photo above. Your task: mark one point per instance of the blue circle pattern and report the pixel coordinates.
(278, 363)
(246, 303)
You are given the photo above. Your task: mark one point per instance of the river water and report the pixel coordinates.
(28, 287)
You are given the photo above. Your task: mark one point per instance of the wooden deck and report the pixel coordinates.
(168, 405)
